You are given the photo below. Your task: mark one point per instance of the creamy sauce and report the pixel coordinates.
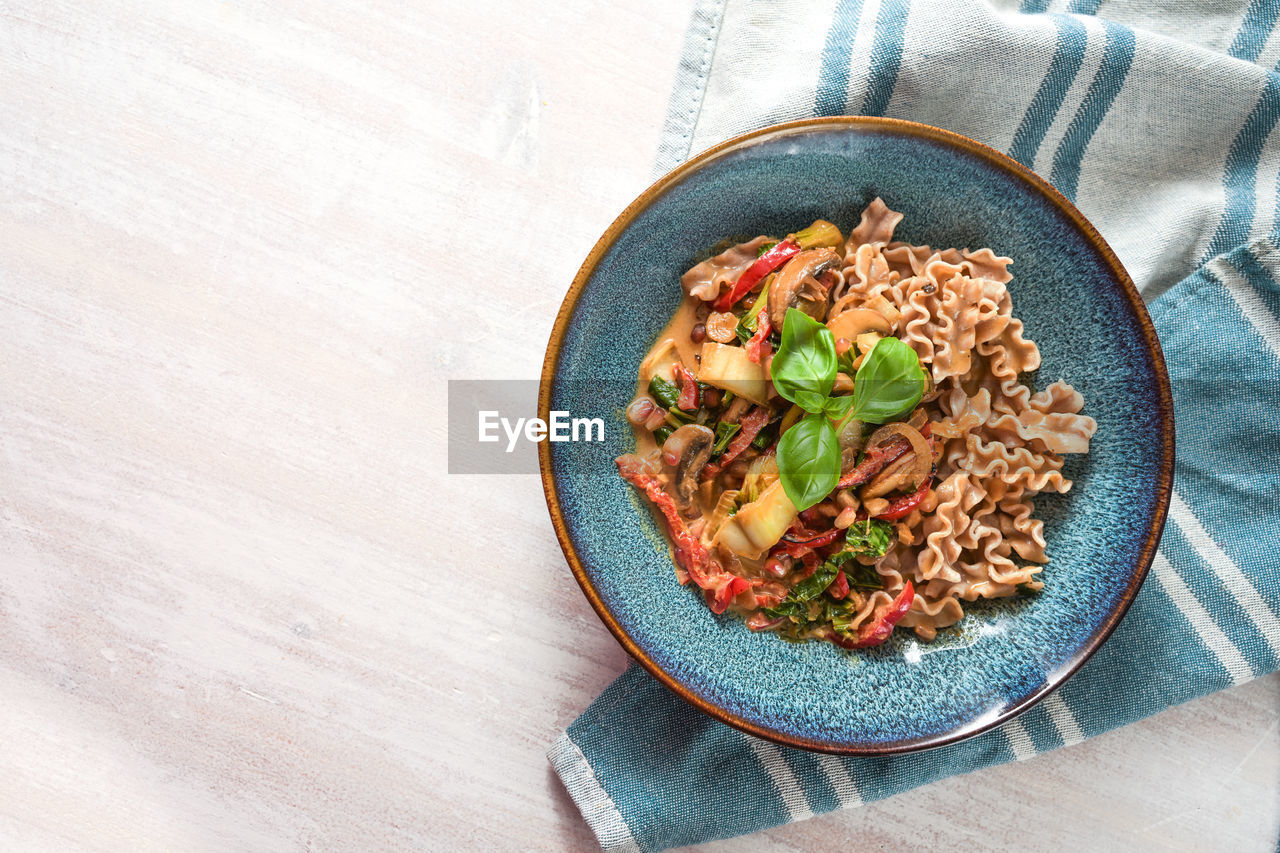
(672, 344)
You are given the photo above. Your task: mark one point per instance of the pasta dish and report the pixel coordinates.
(837, 438)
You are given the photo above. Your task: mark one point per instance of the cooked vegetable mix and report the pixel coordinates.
(834, 434)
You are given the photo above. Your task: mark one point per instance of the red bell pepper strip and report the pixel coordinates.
(757, 346)
(688, 388)
(839, 587)
(877, 629)
(751, 276)
(767, 593)
(804, 539)
(719, 587)
(690, 553)
(724, 591)
(877, 459)
(899, 507)
(751, 424)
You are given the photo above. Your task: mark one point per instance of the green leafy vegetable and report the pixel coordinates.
(858, 575)
(839, 558)
(766, 246)
(863, 577)
(724, 434)
(804, 367)
(841, 613)
(805, 606)
(679, 417)
(664, 391)
(814, 585)
(799, 605)
(869, 537)
(749, 322)
(661, 434)
(889, 383)
(792, 608)
(809, 460)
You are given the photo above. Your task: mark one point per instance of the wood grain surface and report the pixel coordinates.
(242, 605)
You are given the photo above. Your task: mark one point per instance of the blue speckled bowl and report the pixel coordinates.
(1078, 305)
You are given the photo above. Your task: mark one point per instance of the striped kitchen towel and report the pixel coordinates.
(1158, 121)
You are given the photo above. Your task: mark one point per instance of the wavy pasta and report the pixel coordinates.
(1001, 444)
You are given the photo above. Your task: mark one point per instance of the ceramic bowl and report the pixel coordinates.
(1078, 305)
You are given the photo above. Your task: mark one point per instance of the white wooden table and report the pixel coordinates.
(242, 606)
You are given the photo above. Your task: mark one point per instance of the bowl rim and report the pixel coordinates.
(1015, 169)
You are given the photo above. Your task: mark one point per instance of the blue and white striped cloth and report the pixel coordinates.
(1158, 121)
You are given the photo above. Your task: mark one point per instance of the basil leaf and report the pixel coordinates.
(889, 383)
(814, 585)
(804, 367)
(810, 401)
(809, 460)
(870, 537)
(837, 407)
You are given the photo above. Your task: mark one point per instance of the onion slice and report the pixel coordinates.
(904, 475)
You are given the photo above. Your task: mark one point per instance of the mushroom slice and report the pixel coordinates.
(687, 450)
(797, 287)
(857, 321)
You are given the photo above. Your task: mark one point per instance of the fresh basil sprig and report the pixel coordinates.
(804, 368)
(809, 460)
(888, 385)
